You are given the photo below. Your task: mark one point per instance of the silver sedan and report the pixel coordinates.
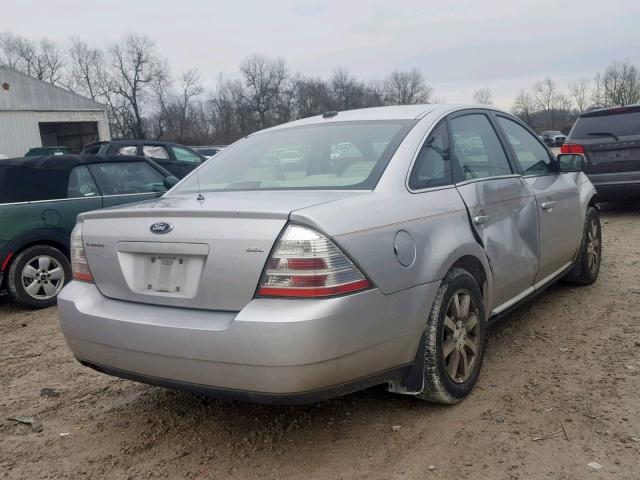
(375, 250)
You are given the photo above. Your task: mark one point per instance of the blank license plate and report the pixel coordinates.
(165, 274)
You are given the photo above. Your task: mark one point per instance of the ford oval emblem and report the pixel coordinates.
(161, 228)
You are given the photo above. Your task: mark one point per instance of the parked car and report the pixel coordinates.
(43, 151)
(39, 200)
(210, 150)
(176, 158)
(553, 138)
(609, 138)
(257, 281)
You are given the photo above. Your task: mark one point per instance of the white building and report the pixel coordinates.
(34, 113)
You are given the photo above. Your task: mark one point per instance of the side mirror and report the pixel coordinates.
(170, 182)
(570, 162)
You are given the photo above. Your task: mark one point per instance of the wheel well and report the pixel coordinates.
(475, 268)
(50, 243)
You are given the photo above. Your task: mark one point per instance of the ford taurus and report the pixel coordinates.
(378, 256)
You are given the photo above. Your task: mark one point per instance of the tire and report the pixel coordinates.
(587, 266)
(443, 329)
(41, 263)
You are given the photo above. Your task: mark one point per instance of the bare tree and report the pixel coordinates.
(9, 50)
(524, 106)
(135, 67)
(263, 78)
(347, 92)
(85, 70)
(406, 88)
(483, 96)
(597, 93)
(621, 83)
(579, 91)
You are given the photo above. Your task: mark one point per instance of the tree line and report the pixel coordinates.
(145, 100)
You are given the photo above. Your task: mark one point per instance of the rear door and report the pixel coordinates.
(556, 196)
(127, 182)
(501, 206)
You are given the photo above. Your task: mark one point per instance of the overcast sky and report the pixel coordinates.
(460, 45)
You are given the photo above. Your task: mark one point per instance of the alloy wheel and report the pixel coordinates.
(461, 336)
(43, 277)
(593, 246)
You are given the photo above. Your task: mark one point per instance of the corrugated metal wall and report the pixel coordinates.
(19, 131)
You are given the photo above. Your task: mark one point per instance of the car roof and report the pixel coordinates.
(66, 162)
(125, 141)
(395, 112)
(602, 112)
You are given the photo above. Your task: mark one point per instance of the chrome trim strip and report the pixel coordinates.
(512, 302)
(81, 198)
(530, 290)
(553, 275)
(485, 179)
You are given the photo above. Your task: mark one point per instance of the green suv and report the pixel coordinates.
(39, 200)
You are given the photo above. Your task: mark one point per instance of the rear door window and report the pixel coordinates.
(122, 178)
(156, 152)
(532, 157)
(477, 148)
(432, 167)
(81, 183)
(185, 155)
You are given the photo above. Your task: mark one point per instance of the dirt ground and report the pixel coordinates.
(571, 358)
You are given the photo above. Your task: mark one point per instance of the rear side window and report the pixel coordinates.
(477, 148)
(433, 166)
(185, 155)
(620, 125)
(157, 152)
(121, 178)
(532, 157)
(128, 151)
(81, 183)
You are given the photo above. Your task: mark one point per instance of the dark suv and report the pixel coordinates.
(176, 158)
(40, 198)
(609, 138)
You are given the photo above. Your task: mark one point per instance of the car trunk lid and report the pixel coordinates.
(202, 254)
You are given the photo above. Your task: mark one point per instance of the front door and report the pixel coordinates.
(501, 206)
(556, 196)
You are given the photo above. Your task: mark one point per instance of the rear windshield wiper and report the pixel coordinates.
(604, 134)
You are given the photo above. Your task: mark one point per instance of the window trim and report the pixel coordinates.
(441, 120)
(512, 152)
(457, 170)
(95, 182)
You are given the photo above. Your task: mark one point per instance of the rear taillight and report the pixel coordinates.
(572, 148)
(305, 263)
(79, 265)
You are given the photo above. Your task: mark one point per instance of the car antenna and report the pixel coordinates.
(200, 197)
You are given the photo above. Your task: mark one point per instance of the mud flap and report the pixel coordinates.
(413, 382)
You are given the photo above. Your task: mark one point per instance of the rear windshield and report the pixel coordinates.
(343, 155)
(23, 184)
(620, 125)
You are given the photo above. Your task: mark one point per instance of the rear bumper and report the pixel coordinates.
(616, 184)
(275, 350)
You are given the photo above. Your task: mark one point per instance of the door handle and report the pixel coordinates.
(547, 205)
(480, 219)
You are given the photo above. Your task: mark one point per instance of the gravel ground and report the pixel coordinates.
(570, 359)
